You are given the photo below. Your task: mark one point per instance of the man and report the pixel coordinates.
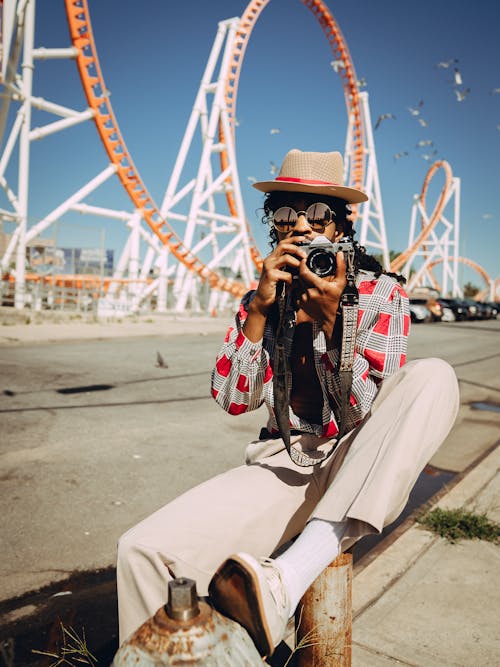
(350, 425)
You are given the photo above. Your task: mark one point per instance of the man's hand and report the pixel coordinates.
(319, 297)
(286, 255)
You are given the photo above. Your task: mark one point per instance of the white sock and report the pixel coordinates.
(315, 548)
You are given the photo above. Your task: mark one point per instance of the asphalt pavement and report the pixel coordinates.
(418, 600)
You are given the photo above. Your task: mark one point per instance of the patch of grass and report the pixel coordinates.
(460, 524)
(73, 652)
(311, 638)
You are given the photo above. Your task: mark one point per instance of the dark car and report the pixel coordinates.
(488, 310)
(475, 312)
(495, 307)
(483, 311)
(470, 308)
(459, 310)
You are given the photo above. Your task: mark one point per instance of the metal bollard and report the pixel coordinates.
(187, 631)
(323, 619)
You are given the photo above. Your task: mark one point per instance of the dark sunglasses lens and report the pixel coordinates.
(284, 217)
(319, 215)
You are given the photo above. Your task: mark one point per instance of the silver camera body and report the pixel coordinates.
(321, 254)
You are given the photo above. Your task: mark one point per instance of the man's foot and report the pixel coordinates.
(252, 593)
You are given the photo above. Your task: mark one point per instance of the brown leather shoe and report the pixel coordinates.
(252, 593)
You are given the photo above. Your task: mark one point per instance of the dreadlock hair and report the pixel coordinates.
(343, 222)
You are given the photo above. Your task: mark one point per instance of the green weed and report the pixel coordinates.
(460, 524)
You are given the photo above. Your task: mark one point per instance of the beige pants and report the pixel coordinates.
(261, 505)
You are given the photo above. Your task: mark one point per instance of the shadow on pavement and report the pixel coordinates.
(86, 602)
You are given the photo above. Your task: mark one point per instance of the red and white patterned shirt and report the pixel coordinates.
(242, 379)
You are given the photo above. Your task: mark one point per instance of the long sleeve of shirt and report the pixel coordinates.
(242, 377)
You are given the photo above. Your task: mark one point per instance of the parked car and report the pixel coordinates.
(435, 309)
(448, 314)
(495, 308)
(472, 308)
(419, 311)
(484, 311)
(459, 310)
(491, 308)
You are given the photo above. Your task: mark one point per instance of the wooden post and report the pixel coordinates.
(323, 619)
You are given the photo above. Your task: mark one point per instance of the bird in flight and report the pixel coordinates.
(399, 155)
(273, 168)
(415, 111)
(461, 94)
(457, 76)
(274, 130)
(424, 142)
(337, 64)
(382, 117)
(447, 63)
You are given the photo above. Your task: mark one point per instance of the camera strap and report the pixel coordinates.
(349, 303)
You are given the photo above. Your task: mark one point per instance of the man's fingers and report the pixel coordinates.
(341, 267)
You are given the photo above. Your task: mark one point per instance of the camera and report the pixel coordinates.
(321, 254)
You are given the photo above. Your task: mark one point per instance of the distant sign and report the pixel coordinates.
(95, 261)
(88, 260)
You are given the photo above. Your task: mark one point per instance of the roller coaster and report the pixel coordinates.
(196, 250)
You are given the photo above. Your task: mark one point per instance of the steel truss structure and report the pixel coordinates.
(196, 250)
(437, 238)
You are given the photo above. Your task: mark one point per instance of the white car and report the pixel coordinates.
(420, 313)
(448, 315)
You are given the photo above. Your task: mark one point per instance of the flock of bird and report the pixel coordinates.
(459, 89)
(461, 93)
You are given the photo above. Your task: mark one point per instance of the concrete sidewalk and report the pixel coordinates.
(426, 602)
(417, 599)
(15, 330)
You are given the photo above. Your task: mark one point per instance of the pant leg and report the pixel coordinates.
(253, 508)
(371, 477)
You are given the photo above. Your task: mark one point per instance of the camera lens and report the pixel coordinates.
(321, 262)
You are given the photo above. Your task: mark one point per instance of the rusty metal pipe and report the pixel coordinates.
(323, 619)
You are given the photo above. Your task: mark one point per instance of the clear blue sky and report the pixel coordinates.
(153, 55)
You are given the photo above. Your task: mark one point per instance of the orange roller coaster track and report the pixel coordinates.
(340, 52)
(94, 87)
(398, 263)
(111, 137)
(468, 262)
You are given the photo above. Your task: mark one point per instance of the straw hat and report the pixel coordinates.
(315, 173)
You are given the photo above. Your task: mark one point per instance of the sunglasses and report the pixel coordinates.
(318, 217)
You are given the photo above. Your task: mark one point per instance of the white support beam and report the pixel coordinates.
(372, 233)
(69, 203)
(42, 53)
(58, 125)
(24, 154)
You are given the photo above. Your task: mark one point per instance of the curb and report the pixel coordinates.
(390, 564)
(46, 333)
